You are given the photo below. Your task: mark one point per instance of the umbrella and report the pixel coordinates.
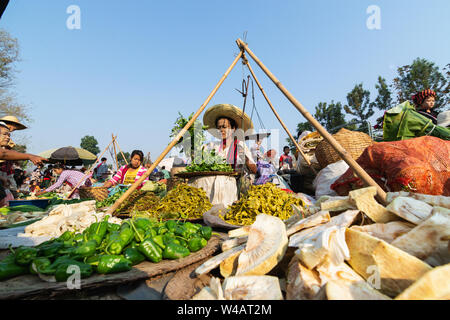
(69, 155)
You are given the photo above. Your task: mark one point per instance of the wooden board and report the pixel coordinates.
(185, 283)
(31, 285)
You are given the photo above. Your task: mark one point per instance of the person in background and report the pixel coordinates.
(424, 103)
(47, 179)
(130, 173)
(257, 150)
(34, 187)
(72, 177)
(165, 172)
(101, 171)
(285, 160)
(36, 175)
(266, 168)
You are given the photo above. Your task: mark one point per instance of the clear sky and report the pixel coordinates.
(134, 64)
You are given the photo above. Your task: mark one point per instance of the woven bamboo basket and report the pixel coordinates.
(97, 193)
(354, 142)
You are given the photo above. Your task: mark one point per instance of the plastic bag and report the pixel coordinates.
(327, 176)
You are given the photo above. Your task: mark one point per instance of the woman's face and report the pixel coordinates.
(4, 137)
(428, 103)
(58, 171)
(224, 126)
(135, 161)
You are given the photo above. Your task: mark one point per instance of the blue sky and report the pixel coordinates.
(133, 65)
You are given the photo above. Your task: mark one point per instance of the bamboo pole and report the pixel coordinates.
(175, 140)
(115, 153)
(123, 156)
(87, 172)
(327, 136)
(278, 117)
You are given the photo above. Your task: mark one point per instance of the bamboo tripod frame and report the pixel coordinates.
(328, 137)
(245, 61)
(175, 140)
(360, 172)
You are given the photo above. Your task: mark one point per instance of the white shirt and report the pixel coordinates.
(242, 150)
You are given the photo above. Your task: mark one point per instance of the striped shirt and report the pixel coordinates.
(72, 177)
(120, 175)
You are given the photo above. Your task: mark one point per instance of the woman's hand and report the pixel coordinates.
(36, 159)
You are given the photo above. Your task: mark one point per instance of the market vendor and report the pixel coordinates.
(129, 173)
(225, 120)
(71, 177)
(424, 103)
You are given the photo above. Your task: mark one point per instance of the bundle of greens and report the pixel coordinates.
(210, 162)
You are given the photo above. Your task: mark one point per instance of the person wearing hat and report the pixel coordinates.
(13, 123)
(224, 121)
(424, 103)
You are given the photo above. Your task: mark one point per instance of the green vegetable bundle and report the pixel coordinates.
(210, 162)
(106, 248)
(110, 200)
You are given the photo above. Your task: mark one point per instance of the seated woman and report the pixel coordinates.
(71, 177)
(266, 169)
(129, 174)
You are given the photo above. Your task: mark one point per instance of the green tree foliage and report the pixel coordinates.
(9, 55)
(330, 115)
(420, 75)
(358, 105)
(121, 158)
(197, 135)
(383, 101)
(90, 144)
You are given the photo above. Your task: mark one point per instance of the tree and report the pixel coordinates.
(383, 101)
(358, 105)
(121, 159)
(420, 75)
(330, 115)
(90, 144)
(9, 55)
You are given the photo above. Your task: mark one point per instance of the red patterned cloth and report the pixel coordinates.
(420, 165)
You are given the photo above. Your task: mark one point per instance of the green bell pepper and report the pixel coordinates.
(133, 255)
(143, 223)
(86, 249)
(112, 263)
(113, 227)
(206, 232)
(61, 273)
(175, 251)
(25, 255)
(196, 243)
(150, 250)
(171, 225)
(51, 249)
(159, 241)
(39, 264)
(139, 234)
(97, 231)
(115, 247)
(11, 269)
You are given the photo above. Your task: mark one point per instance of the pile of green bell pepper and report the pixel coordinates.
(106, 248)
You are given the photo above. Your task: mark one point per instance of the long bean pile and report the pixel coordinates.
(267, 199)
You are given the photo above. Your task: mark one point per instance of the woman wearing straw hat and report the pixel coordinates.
(227, 123)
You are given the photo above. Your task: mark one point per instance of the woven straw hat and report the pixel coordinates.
(13, 120)
(228, 111)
